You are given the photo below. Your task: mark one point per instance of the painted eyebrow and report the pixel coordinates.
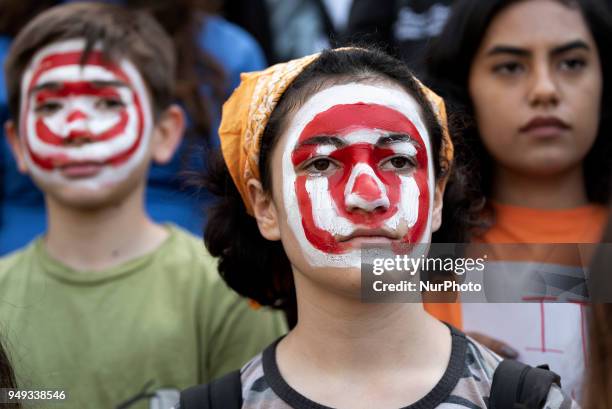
(96, 84)
(394, 138)
(522, 52)
(323, 140)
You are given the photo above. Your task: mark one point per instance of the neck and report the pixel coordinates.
(341, 335)
(101, 238)
(560, 191)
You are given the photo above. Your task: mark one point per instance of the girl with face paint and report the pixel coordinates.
(531, 73)
(319, 156)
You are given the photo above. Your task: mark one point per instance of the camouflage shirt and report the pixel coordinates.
(465, 384)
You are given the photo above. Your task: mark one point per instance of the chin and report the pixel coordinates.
(550, 164)
(85, 198)
(339, 280)
(345, 282)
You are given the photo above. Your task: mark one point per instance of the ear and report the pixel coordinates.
(264, 210)
(436, 216)
(12, 134)
(168, 134)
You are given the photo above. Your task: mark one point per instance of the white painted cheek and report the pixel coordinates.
(408, 211)
(355, 201)
(325, 213)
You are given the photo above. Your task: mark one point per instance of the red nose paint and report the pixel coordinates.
(75, 116)
(366, 188)
(339, 121)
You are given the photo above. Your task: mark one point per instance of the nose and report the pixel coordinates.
(544, 90)
(75, 116)
(76, 129)
(365, 191)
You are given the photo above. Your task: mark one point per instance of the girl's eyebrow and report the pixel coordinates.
(395, 138)
(323, 140)
(523, 52)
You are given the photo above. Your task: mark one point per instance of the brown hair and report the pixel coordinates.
(599, 375)
(121, 33)
(598, 386)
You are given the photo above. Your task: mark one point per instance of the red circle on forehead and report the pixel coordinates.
(95, 58)
(339, 121)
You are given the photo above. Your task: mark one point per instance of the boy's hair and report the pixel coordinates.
(258, 268)
(121, 32)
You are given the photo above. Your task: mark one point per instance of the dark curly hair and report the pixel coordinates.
(448, 64)
(251, 265)
(7, 376)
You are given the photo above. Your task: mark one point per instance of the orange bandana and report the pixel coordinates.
(247, 111)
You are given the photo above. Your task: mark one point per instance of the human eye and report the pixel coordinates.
(110, 104)
(398, 163)
(509, 68)
(572, 64)
(48, 107)
(320, 166)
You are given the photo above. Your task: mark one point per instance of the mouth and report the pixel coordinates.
(80, 169)
(369, 236)
(545, 127)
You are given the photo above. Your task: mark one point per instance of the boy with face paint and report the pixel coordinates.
(99, 306)
(319, 156)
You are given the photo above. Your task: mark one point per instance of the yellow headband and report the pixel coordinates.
(247, 111)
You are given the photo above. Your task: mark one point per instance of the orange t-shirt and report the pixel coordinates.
(514, 224)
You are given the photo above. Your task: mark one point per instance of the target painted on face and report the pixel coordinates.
(358, 163)
(76, 111)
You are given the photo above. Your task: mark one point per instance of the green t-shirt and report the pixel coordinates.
(166, 318)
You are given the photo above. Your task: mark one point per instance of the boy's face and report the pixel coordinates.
(357, 168)
(83, 126)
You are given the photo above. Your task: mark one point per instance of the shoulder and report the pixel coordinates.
(481, 359)
(481, 365)
(474, 374)
(186, 256)
(18, 259)
(252, 375)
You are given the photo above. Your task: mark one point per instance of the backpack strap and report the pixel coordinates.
(517, 385)
(222, 393)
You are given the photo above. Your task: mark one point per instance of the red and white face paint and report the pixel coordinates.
(357, 164)
(84, 124)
